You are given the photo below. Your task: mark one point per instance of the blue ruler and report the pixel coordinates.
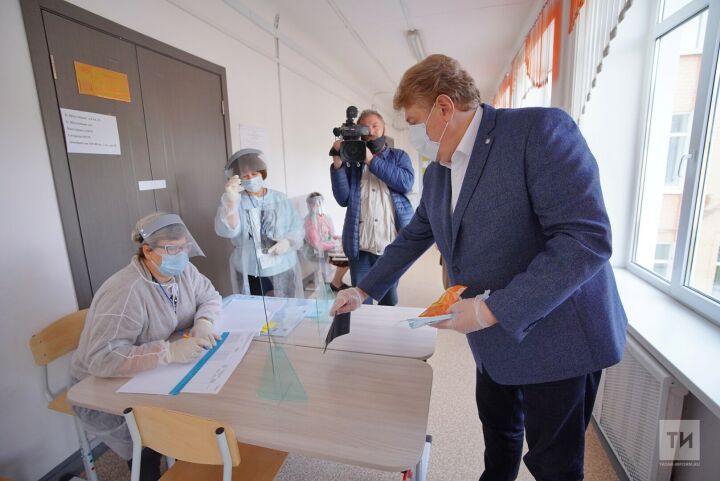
(198, 365)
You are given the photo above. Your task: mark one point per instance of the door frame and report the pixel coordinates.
(52, 123)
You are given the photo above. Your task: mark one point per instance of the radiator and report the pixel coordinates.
(633, 397)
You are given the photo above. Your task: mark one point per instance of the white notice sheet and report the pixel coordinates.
(90, 133)
(209, 379)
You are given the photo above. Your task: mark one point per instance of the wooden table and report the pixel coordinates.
(373, 330)
(363, 410)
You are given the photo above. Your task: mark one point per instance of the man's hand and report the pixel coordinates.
(348, 300)
(337, 161)
(368, 156)
(469, 315)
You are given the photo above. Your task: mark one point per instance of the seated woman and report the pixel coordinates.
(263, 226)
(134, 313)
(321, 240)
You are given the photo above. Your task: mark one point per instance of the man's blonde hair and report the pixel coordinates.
(436, 75)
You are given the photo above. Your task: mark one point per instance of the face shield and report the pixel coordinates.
(166, 234)
(245, 161)
(316, 205)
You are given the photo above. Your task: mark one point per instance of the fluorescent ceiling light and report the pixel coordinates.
(416, 46)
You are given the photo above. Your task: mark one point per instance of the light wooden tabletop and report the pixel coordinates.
(363, 410)
(373, 330)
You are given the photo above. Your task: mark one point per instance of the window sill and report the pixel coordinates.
(684, 342)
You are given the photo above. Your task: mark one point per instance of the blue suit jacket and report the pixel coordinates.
(531, 226)
(392, 166)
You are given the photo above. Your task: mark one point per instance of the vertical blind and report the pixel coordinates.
(594, 27)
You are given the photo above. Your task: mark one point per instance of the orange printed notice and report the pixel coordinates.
(101, 82)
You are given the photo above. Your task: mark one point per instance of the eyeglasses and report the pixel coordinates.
(172, 249)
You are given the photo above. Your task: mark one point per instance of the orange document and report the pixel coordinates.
(101, 82)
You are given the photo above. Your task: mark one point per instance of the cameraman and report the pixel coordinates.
(374, 194)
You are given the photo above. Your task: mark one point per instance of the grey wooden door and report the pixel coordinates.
(105, 187)
(186, 138)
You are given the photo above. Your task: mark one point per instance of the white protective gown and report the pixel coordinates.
(275, 219)
(125, 331)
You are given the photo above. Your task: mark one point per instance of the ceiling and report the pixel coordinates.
(364, 40)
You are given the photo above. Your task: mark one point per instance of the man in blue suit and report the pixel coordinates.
(515, 206)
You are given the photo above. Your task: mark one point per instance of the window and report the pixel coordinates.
(661, 265)
(716, 282)
(675, 85)
(672, 6)
(705, 237)
(677, 231)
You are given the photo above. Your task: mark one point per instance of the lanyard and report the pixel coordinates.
(256, 205)
(171, 299)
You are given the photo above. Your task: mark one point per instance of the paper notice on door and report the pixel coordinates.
(101, 82)
(152, 184)
(90, 133)
(255, 138)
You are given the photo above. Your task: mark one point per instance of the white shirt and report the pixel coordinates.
(377, 214)
(459, 159)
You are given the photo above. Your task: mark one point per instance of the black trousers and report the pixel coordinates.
(149, 465)
(552, 415)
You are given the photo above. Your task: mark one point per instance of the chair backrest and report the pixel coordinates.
(59, 338)
(183, 436)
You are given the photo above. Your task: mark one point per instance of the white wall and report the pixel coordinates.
(612, 124)
(37, 287)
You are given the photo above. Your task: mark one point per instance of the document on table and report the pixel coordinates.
(242, 313)
(208, 379)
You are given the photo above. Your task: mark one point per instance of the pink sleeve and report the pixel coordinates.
(311, 234)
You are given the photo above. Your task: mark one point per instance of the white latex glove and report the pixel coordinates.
(203, 329)
(186, 349)
(348, 300)
(280, 248)
(469, 315)
(233, 188)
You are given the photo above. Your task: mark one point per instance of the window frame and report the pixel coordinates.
(702, 118)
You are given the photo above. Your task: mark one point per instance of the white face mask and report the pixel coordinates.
(420, 139)
(253, 184)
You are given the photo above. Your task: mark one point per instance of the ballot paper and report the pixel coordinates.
(209, 378)
(340, 326)
(416, 322)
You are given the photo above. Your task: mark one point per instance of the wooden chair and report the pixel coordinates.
(204, 449)
(56, 340)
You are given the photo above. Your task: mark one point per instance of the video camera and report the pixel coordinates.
(353, 147)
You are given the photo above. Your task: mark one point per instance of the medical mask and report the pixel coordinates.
(254, 184)
(173, 265)
(376, 145)
(422, 142)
